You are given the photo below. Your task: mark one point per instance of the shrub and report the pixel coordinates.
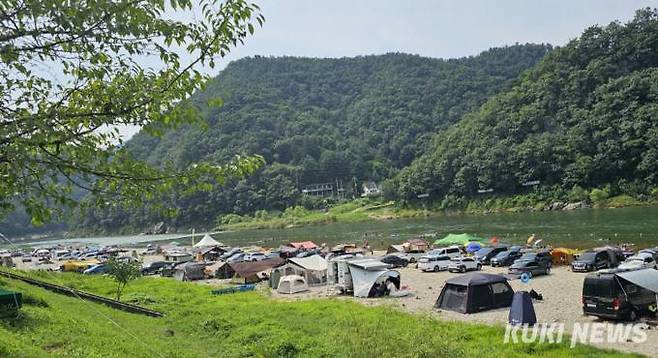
(598, 196)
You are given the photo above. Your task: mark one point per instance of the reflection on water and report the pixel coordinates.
(580, 228)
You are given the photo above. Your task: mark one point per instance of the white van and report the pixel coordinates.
(450, 251)
(434, 263)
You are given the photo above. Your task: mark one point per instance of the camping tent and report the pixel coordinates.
(415, 245)
(304, 245)
(247, 271)
(292, 284)
(562, 256)
(367, 273)
(457, 239)
(312, 268)
(395, 248)
(221, 270)
(189, 271)
(208, 241)
(475, 292)
(522, 311)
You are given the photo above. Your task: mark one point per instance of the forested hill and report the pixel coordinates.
(323, 120)
(585, 116)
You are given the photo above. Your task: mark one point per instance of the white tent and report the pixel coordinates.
(207, 241)
(292, 284)
(365, 273)
(312, 268)
(312, 263)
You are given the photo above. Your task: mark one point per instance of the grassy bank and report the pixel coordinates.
(198, 324)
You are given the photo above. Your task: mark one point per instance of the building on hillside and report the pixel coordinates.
(370, 188)
(321, 190)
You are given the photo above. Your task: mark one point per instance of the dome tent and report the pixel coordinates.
(292, 284)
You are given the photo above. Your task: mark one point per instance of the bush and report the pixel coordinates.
(577, 194)
(229, 219)
(598, 196)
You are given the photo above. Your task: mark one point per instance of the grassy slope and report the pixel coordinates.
(198, 324)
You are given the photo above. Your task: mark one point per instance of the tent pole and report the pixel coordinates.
(192, 236)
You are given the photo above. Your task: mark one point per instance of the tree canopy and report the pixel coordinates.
(585, 116)
(71, 71)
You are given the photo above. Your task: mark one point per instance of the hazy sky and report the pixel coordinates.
(338, 28)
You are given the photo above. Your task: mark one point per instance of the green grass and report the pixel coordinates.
(198, 324)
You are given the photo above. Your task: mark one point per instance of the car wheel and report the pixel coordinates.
(548, 270)
(436, 268)
(632, 315)
(412, 260)
(479, 267)
(462, 269)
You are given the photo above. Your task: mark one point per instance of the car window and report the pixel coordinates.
(498, 287)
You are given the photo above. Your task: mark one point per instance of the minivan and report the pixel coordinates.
(606, 295)
(451, 251)
(434, 263)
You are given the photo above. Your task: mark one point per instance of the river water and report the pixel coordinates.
(577, 229)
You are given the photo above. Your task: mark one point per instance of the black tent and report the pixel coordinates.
(522, 310)
(475, 292)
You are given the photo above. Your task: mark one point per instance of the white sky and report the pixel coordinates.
(447, 29)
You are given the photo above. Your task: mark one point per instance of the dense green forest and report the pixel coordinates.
(343, 121)
(585, 117)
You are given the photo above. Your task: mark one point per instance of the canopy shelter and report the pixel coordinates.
(562, 256)
(369, 275)
(208, 241)
(522, 311)
(189, 271)
(475, 292)
(304, 245)
(646, 278)
(457, 239)
(292, 284)
(312, 268)
(248, 271)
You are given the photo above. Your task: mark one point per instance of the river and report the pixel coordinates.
(577, 229)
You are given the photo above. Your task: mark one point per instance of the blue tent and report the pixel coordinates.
(473, 246)
(522, 311)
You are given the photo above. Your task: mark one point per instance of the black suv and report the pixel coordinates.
(153, 268)
(541, 257)
(485, 254)
(506, 258)
(606, 295)
(592, 261)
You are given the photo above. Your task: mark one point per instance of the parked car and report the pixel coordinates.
(531, 267)
(592, 261)
(229, 253)
(395, 261)
(451, 251)
(153, 268)
(17, 254)
(485, 254)
(88, 256)
(308, 253)
(639, 261)
(254, 256)
(411, 257)
(95, 270)
(434, 263)
(506, 258)
(606, 296)
(273, 255)
(542, 257)
(239, 257)
(463, 264)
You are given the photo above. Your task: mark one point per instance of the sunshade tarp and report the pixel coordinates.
(304, 245)
(363, 280)
(207, 241)
(313, 263)
(457, 239)
(647, 278)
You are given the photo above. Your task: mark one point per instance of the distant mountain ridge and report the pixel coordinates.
(343, 121)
